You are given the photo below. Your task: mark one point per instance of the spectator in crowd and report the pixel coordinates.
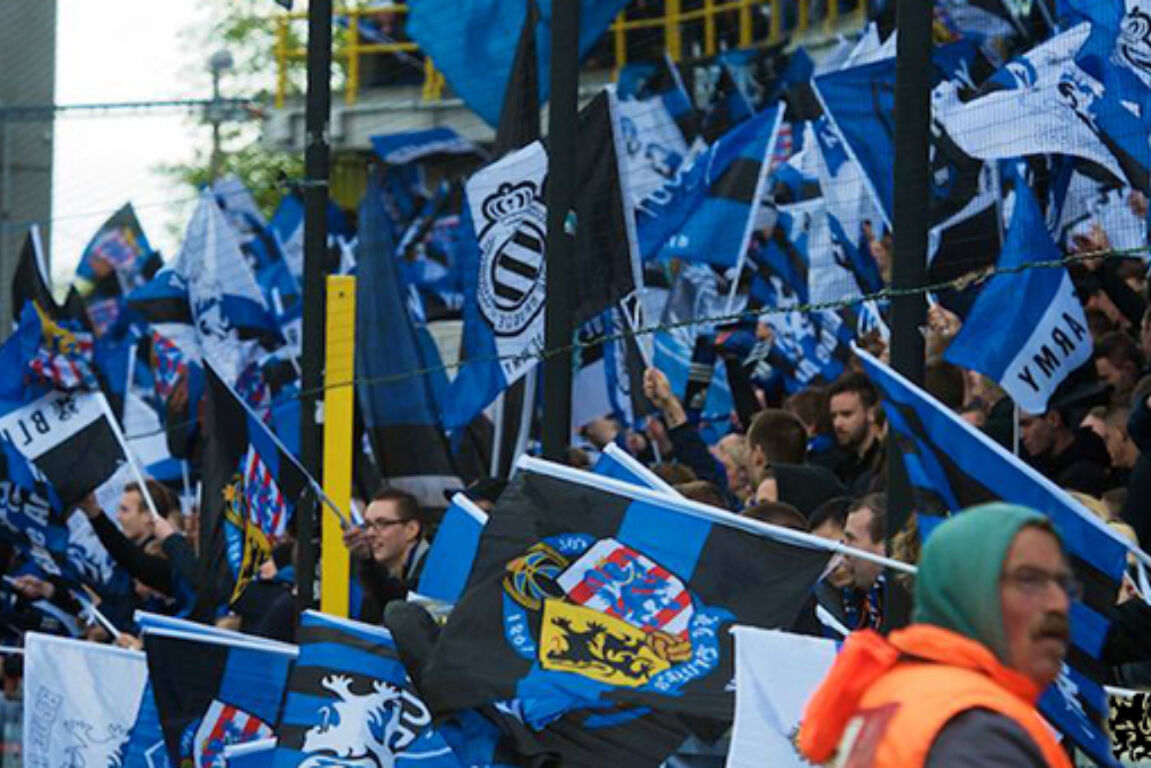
(853, 405)
(133, 545)
(687, 446)
(1070, 456)
(961, 684)
(777, 513)
(810, 407)
(731, 451)
(866, 601)
(389, 549)
(1118, 363)
(775, 436)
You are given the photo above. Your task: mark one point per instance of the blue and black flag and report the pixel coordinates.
(116, 260)
(707, 212)
(251, 486)
(596, 597)
(350, 702)
(213, 691)
(952, 466)
(398, 396)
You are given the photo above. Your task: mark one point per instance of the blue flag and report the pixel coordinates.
(145, 747)
(860, 104)
(449, 561)
(212, 691)
(408, 146)
(116, 260)
(707, 212)
(590, 594)
(807, 347)
(399, 400)
(953, 466)
(1028, 347)
(618, 464)
(349, 696)
(476, 55)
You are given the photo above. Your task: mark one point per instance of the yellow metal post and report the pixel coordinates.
(832, 15)
(339, 361)
(671, 30)
(619, 36)
(281, 60)
(804, 14)
(352, 88)
(745, 28)
(776, 20)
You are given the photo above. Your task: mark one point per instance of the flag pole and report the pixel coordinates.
(563, 127)
(317, 170)
(132, 465)
(91, 608)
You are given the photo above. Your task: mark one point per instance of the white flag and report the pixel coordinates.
(775, 674)
(510, 219)
(80, 700)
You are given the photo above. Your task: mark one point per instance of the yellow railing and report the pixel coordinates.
(672, 23)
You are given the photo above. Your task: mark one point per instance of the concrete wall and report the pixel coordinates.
(27, 77)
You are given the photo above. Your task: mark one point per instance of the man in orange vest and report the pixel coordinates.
(960, 684)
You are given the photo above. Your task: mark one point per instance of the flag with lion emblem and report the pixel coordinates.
(593, 595)
(350, 703)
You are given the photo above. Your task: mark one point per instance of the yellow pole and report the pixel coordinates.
(339, 362)
(832, 15)
(619, 36)
(804, 11)
(671, 30)
(776, 20)
(745, 22)
(352, 88)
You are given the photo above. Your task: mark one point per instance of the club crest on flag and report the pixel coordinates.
(202, 745)
(247, 545)
(513, 272)
(609, 613)
(1133, 45)
(366, 727)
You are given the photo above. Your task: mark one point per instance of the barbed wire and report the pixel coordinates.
(542, 355)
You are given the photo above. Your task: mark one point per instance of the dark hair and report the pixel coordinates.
(703, 492)
(946, 383)
(877, 503)
(407, 508)
(810, 406)
(1119, 348)
(780, 435)
(163, 498)
(858, 383)
(777, 513)
(832, 510)
(674, 474)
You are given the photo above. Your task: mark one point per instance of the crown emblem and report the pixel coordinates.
(509, 200)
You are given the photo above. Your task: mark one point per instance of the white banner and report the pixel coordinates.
(80, 700)
(775, 674)
(43, 424)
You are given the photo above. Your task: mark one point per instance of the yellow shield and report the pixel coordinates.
(595, 645)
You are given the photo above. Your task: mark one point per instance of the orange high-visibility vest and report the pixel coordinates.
(925, 677)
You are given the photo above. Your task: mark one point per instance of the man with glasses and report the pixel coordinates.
(389, 549)
(958, 686)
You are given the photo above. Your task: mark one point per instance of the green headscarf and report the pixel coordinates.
(957, 586)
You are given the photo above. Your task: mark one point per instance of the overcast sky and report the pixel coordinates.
(115, 51)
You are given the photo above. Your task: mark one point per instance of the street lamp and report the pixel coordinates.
(218, 62)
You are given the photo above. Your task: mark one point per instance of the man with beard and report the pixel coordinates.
(960, 685)
(854, 407)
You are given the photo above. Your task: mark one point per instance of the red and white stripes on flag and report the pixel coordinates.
(267, 509)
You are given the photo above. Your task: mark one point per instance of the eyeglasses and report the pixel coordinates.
(381, 524)
(1033, 582)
